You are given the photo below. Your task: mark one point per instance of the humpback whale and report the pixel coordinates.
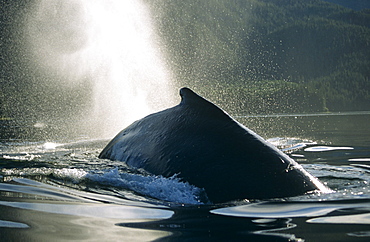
(202, 145)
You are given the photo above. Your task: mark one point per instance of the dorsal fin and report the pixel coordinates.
(188, 96)
(193, 100)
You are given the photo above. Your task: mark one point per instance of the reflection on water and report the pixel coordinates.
(93, 210)
(286, 210)
(349, 128)
(57, 190)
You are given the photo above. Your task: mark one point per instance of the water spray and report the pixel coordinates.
(109, 44)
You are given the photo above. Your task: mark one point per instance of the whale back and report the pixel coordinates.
(207, 148)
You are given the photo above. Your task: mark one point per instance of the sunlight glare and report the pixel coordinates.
(110, 43)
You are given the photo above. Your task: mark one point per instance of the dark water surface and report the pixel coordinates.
(54, 188)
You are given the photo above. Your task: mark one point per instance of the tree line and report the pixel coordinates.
(314, 54)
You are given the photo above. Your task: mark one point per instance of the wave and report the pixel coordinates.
(167, 189)
(75, 164)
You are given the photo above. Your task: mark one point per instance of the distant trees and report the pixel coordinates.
(271, 55)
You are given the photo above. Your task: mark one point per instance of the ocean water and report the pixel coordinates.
(55, 188)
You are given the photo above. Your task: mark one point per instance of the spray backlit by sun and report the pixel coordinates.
(110, 43)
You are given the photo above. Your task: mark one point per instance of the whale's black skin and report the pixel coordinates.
(208, 149)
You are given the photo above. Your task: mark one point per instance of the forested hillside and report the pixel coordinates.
(270, 55)
(248, 56)
(353, 4)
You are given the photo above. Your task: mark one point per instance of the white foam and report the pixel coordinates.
(74, 174)
(23, 157)
(168, 189)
